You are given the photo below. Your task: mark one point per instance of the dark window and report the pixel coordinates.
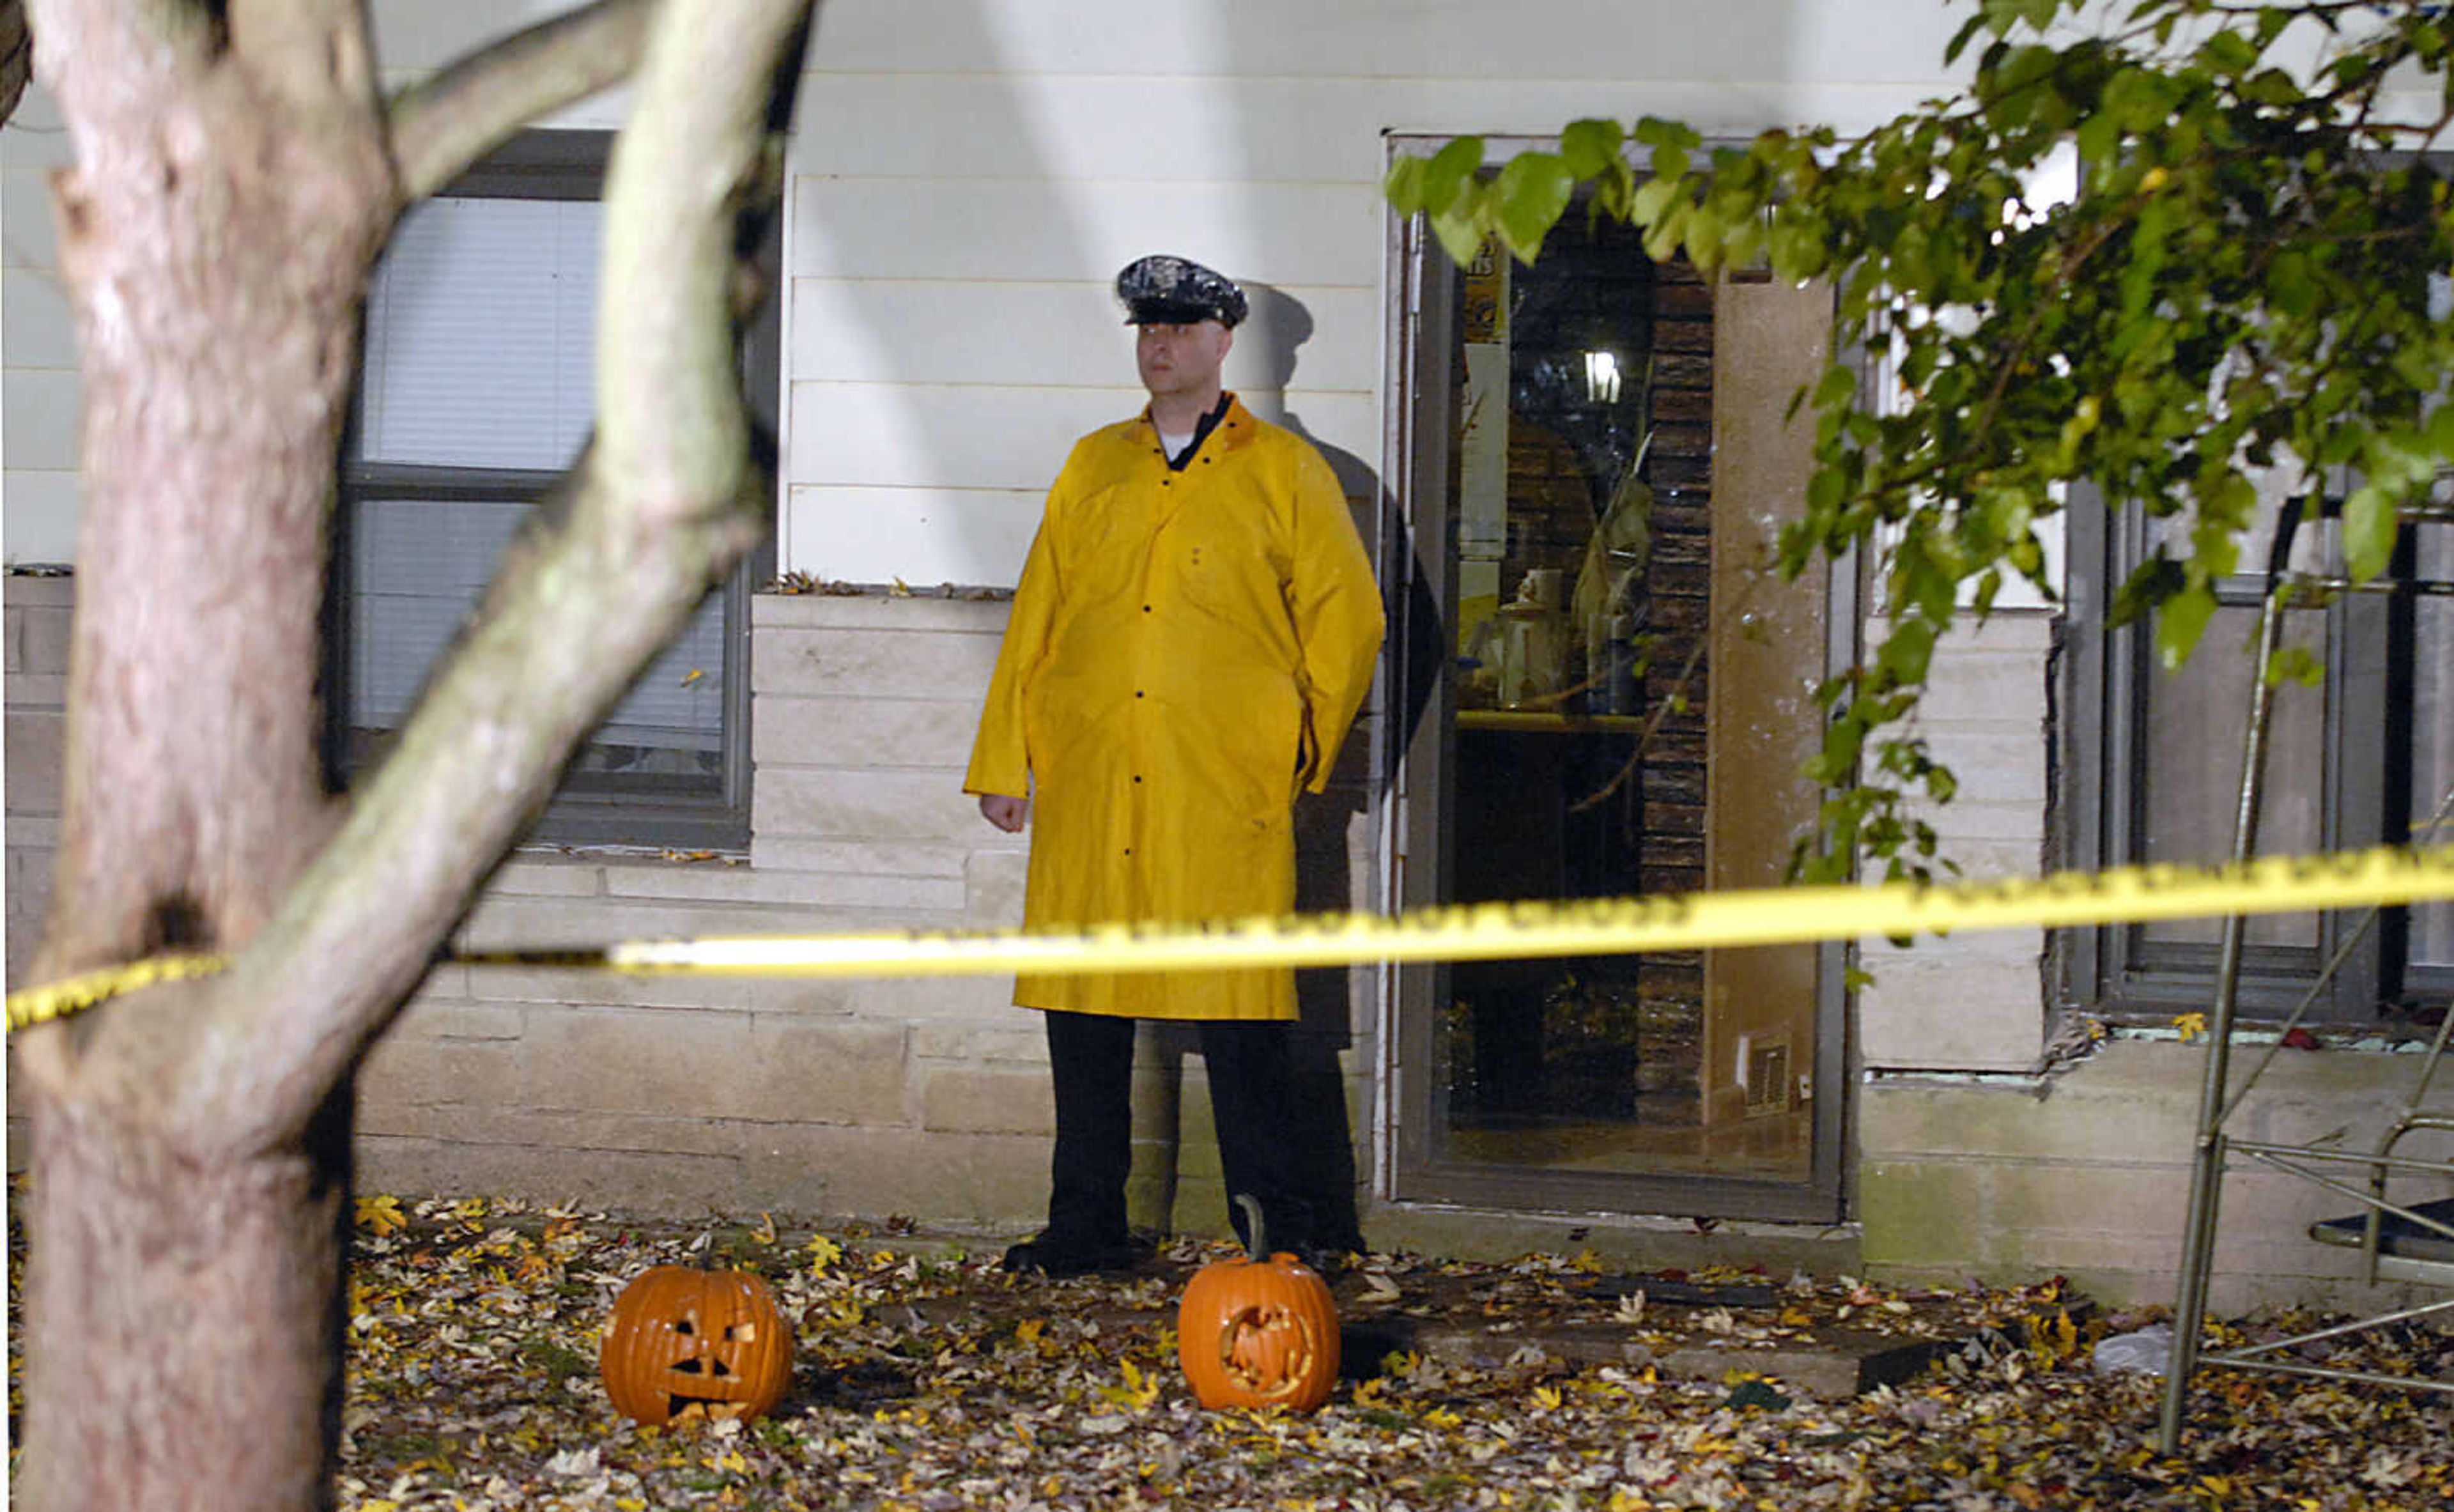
(2363, 757)
(476, 393)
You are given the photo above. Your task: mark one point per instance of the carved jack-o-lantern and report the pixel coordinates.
(1260, 1331)
(681, 1339)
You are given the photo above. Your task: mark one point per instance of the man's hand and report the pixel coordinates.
(1004, 810)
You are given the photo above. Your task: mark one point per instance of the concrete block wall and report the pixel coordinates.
(1970, 1161)
(2087, 1174)
(1974, 1001)
(683, 1095)
(34, 632)
(867, 1099)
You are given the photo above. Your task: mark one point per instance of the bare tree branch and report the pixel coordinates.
(16, 56)
(440, 126)
(662, 504)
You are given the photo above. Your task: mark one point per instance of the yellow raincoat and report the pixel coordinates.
(1186, 650)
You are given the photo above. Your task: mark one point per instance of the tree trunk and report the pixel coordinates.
(185, 1317)
(216, 250)
(183, 1291)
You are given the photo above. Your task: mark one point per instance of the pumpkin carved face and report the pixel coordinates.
(1258, 1332)
(681, 1339)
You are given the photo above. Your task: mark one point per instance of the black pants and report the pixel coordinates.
(1251, 1070)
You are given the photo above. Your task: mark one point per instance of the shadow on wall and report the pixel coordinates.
(1335, 856)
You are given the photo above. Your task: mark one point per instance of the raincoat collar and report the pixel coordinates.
(1229, 426)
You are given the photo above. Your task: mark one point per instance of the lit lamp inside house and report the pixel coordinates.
(1601, 378)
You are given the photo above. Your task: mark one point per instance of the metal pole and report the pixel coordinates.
(2206, 1171)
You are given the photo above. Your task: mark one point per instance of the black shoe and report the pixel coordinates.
(1327, 1265)
(1058, 1259)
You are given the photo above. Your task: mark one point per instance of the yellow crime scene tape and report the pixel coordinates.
(1478, 932)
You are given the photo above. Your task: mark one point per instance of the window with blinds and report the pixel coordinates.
(477, 391)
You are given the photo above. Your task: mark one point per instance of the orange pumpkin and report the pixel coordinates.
(681, 1339)
(1257, 1332)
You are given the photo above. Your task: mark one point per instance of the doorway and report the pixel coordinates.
(1610, 693)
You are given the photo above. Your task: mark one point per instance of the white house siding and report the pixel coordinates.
(971, 172)
(967, 176)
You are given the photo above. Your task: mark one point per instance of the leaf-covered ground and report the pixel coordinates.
(928, 1380)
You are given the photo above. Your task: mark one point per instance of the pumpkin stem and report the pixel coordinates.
(1256, 1232)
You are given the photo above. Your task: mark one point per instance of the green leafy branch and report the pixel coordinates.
(2240, 308)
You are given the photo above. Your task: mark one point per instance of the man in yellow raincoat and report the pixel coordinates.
(1196, 627)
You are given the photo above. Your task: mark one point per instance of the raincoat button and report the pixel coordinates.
(1145, 608)
(1138, 693)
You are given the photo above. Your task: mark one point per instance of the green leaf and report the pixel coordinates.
(1796, 245)
(1705, 231)
(1615, 191)
(2289, 286)
(2148, 586)
(1961, 39)
(1462, 234)
(2228, 53)
(1533, 189)
(2295, 664)
(1653, 197)
(2181, 622)
(1590, 146)
(2369, 529)
(1450, 170)
(1403, 187)
(1654, 131)
(2439, 430)
(1662, 237)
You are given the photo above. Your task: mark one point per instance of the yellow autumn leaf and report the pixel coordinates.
(765, 1232)
(823, 1252)
(2192, 1027)
(692, 675)
(381, 1214)
(900, 589)
(1547, 1395)
(1138, 1392)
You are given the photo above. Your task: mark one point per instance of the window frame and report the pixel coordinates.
(2097, 797)
(569, 165)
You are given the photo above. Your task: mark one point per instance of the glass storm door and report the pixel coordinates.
(1609, 692)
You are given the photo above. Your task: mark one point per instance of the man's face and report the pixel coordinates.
(1181, 358)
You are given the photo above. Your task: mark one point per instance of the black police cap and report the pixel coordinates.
(1162, 290)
